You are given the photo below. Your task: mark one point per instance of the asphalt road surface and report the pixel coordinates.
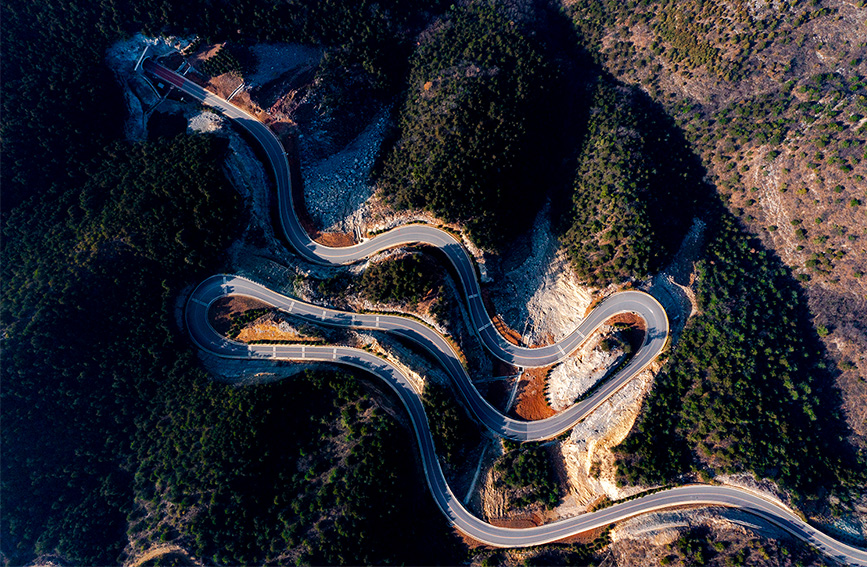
(643, 305)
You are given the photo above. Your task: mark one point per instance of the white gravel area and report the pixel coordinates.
(581, 371)
(592, 439)
(205, 122)
(597, 424)
(538, 294)
(337, 188)
(662, 528)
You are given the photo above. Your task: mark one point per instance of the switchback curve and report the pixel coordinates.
(644, 305)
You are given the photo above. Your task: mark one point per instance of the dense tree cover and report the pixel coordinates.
(98, 241)
(61, 105)
(635, 189)
(307, 470)
(746, 388)
(107, 417)
(408, 278)
(475, 128)
(738, 82)
(529, 470)
(90, 276)
(455, 433)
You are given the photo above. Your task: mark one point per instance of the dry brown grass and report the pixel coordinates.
(243, 100)
(179, 556)
(222, 310)
(224, 85)
(267, 329)
(205, 52)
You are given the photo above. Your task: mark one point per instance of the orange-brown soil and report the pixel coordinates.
(334, 239)
(221, 311)
(508, 333)
(630, 319)
(517, 522)
(470, 542)
(532, 403)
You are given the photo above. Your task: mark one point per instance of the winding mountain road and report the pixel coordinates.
(215, 287)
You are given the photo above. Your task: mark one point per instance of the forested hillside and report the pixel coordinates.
(61, 105)
(747, 387)
(91, 275)
(476, 126)
(99, 237)
(309, 470)
(409, 278)
(635, 191)
(112, 434)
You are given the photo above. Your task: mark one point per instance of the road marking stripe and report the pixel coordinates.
(486, 326)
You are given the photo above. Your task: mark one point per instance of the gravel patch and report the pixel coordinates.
(537, 292)
(336, 189)
(665, 527)
(581, 371)
(205, 122)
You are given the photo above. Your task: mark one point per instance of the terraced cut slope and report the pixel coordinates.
(641, 304)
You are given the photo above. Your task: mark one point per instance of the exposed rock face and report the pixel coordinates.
(537, 292)
(578, 373)
(336, 188)
(589, 461)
